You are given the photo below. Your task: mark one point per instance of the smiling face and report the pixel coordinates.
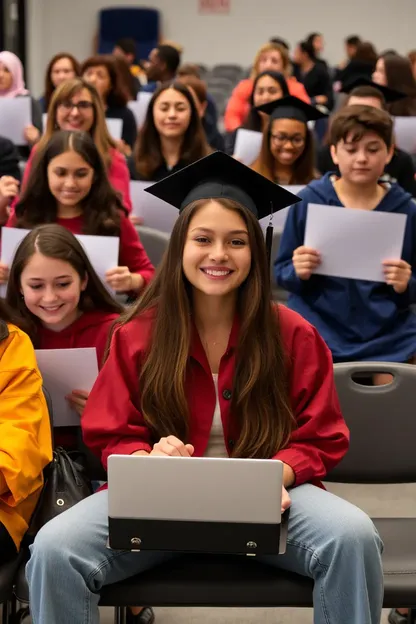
(287, 140)
(70, 179)
(217, 255)
(363, 161)
(6, 78)
(99, 77)
(266, 90)
(171, 113)
(62, 70)
(77, 113)
(51, 289)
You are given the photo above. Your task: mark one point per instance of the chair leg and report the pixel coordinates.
(119, 615)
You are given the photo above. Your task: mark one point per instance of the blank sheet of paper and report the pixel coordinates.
(65, 370)
(139, 107)
(15, 115)
(353, 243)
(155, 212)
(247, 145)
(115, 128)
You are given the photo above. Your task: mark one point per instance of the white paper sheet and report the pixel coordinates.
(247, 145)
(155, 212)
(65, 370)
(279, 218)
(354, 243)
(44, 121)
(15, 115)
(405, 133)
(115, 127)
(103, 251)
(140, 106)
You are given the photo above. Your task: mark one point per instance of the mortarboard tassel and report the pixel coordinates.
(269, 236)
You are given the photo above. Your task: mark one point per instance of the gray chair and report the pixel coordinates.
(230, 71)
(219, 82)
(154, 242)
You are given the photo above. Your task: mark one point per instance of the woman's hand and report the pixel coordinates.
(31, 134)
(4, 273)
(172, 447)
(136, 220)
(119, 279)
(9, 188)
(397, 273)
(123, 147)
(286, 500)
(78, 400)
(305, 261)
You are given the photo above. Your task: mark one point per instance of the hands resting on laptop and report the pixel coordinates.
(173, 447)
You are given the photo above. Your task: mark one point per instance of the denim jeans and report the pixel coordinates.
(329, 540)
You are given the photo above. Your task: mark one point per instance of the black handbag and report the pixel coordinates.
(66, 484)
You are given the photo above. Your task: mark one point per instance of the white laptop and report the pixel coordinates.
(195, 504)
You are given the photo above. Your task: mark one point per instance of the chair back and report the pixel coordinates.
(382, 424)
(154, 242)
(140, 24)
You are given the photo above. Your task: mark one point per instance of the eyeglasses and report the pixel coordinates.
(282, 138)
(81, 106)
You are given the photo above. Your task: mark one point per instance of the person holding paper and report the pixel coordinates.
(231, 375)
(68, 185)
(287, 154)
(61, 299)
(172, 135)
(25, 434)
(76, 105)
(358, 319)
(61, 67)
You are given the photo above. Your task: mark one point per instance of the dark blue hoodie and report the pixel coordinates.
(358, 319)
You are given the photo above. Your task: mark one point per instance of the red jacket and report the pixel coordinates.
(118, 175)
(112, 421)
(132, 253)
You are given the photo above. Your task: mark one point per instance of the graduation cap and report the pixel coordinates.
(219, 176)
(291, 107)
(390, 95)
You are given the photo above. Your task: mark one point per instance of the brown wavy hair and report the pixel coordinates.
(356, 120)
(55, 241)
(260, 399)
(303, 169)
(101, 208)
(98, 130)
(148, 155)
(49, 87)
(400, 76)
(118, 95)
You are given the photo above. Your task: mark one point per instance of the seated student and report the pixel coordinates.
(351, 44)
(172, 136)
(362, 65)
(76, 105)
(287, 154)
(62, 301)
(395, 72)
(102, 71)
(271, 56)
(267, 87)
(61, 67)
(68, 185)
(316, 40)
(9, 159)
(125, 48)
(161, 66)
(12, 85)
(314, 75)
(25, 441)
(400, 169)
(358, 319)
(228, 334)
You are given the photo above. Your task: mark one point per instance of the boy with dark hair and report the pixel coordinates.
(358, 319)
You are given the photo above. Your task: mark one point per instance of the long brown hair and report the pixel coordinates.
(303, 169)
(400, 76)
(118, 95)
(55, 241)
(260, 402)
(10, 316)
(98, 131)
(49, 87)
(148, 153)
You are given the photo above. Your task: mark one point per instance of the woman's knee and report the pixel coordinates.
(356, 531)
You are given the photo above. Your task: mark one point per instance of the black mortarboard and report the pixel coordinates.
(221, 176)
(291, 107)
(390, 95)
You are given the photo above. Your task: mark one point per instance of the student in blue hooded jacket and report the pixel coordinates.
(358, 319)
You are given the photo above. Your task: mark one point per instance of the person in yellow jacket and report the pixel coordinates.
(25, 434)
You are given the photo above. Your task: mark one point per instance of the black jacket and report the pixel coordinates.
(9, 159)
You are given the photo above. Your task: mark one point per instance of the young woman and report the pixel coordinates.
(226, 350)
(61, 67)
(12, 84)
(267, 87)
(271, 56)
(172, 136)
(25, 442)
(395, 72)
(68, 185)
(314, 75)
(288, 152)
(76, 105)
(361, 65)
(62, 301)
(103, 72)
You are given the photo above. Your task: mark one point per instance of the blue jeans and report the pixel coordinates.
(330, 540)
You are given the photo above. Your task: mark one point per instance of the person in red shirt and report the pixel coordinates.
(68, 185)
(206, 364)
